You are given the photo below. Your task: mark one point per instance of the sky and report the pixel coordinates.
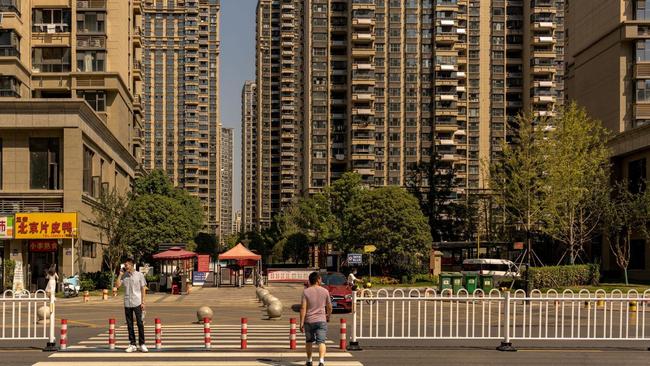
(237, 66)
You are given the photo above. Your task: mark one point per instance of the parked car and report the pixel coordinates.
(500, 269)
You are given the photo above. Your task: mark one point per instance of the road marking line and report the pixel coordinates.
(209, 354)
(201, 363)
(186, 346)
(198, 341)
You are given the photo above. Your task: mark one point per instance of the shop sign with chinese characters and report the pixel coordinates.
(6, 227)
(42, 245)
(46, 225)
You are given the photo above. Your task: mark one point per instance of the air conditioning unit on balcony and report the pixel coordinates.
(339, 156)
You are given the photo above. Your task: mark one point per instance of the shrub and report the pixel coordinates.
(87, 284)
(101, 280)
(152, 278)
(564, 276)
(384, 280)
(9, 267)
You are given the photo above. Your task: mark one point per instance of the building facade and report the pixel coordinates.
(70, 126)
(249, 156)
(377, 86)
(181, 97)
(611, 39)
(227, 218)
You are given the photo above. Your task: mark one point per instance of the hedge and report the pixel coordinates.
(564, 276)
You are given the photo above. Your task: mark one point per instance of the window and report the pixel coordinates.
(50, 20)
(642, 10)
(96, 99)
(9, 43)
(9, 87)
(51, 59)
(88, 170)
(0, 164)
(44, 160)
(91, 22)
(636, 175)
(89, 61)
(88, 249)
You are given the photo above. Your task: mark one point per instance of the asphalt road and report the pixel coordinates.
(88, 323)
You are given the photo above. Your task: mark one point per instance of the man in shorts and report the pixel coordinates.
(315, 312)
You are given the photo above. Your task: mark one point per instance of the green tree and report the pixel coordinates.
(390, 218)
(576, 179)
(109, 219)
(518, 178)
(626, 217)
(206, 243)
(160, 213)
(450, 218)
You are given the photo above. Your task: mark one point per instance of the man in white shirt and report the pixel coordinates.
(135, 291)
(352, 279)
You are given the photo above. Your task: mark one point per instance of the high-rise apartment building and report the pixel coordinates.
(608, 58)
(226, 182)
(181, 97)
(249, 156)
(70, 126)
(377, 86)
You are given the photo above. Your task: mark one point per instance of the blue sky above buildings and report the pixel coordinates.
(237, 65)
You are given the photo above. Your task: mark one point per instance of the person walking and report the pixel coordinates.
(134, 295)
(315, 312)
(52, 277)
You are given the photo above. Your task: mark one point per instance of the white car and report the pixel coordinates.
(499, 269)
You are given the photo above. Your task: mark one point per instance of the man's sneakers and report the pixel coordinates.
(132, 348)
(309, 363)
(321, 364)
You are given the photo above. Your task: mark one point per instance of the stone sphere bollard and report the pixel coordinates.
(274, 309)
(262, 293)
(43, 314)
(268, 299)
(258, 292)
(204, 312)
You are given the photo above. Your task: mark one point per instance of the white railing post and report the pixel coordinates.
(506, 345)
(51, 344)
(354, 344)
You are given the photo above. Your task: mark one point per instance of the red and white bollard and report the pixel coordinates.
(104, 294)
(64, 335)
(344, 334)
(292, 333)
(158, 334)
(244, 333)
(114, 291)
(111, 333)
(206, 333)
(86, 296)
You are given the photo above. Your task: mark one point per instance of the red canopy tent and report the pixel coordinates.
(176, 256)
(243, 258)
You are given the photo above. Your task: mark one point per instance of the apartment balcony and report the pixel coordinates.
(446, 97)
(446, 67)
(363, 4)
(543, 40)
(546, 25)
(543, 69)
(362, 37)
(544, 84)
(364, 171)
(642, 70)
(445, 142)
(544, 113)
(363, 97)
(137, 37)
(446, 82)
(446, 38)
(544, 99)
(137, 6)
(448, 157)
(443, 5)
(137, 69)
(83, 5)
(544, 54)
(363, 52)
(287, 44)
(446, 22)
(85, 42)
(363, 112)
(363, 22)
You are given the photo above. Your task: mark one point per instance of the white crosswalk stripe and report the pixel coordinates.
(183, 346)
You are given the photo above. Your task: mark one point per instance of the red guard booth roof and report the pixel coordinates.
(174, 253)
(240, 253)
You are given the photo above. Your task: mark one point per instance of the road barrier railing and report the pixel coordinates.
(28, 316)
(431, 315)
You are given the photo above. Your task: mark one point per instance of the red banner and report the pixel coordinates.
(203, 263)
(42, 246)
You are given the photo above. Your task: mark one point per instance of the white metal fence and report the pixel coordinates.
(429, 314)
(20, 316)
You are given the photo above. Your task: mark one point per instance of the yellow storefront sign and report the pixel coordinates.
(45, 225)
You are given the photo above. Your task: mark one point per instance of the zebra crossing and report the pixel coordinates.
(183, 345)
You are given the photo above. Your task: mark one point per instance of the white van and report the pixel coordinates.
(500, 269)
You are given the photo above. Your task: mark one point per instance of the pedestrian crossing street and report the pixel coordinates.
(183, 345)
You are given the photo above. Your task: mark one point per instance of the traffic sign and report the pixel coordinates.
(369, 248)
(354, 258)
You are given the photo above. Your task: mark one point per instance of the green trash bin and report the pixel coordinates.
(445, 281)
(456, 281)
(487, 283)
(471, 282)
